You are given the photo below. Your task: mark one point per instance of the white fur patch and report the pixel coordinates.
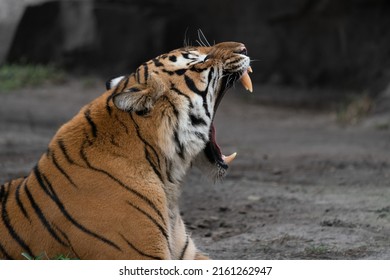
(114, 82)
(193, 58)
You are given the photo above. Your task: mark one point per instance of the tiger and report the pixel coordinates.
(109, 183)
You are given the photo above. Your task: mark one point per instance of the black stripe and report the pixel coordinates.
(143, 140)
(185, 248)
(139, 251)
(173, 87)
(87, 115)
(108, 108)
(39, 178)
(147, 155)
(48, 189)
(2, 191)
(5, 253)
(235, 68)
(175, 111)
(170, 73)
(65, 236)
(191, 85)
(210, 77)
(62, 171)
(147, 200)
(195, 121)
(157, 63)
(7, 223)
(146, 72)
(168, 167)
(19, 202)
(160, 227)
(179, 145)
(43, 219)
(122, 124)
(64, 151)
(201, 136)
(125, 84)
(180, 72)
(168, 116)
(234, 61)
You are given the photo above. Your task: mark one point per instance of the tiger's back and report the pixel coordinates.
(83, 210)
(108, 185)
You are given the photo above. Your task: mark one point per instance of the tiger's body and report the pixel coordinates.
(108, 185)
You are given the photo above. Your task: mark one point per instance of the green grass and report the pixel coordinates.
(317, 250)
(16, 76)
(355, 109)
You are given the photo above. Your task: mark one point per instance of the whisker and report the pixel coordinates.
(203, 38)
(200, 43)
(186, 39)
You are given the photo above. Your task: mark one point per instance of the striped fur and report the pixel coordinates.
(109, 183)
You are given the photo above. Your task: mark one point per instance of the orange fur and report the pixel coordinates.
(108, 185)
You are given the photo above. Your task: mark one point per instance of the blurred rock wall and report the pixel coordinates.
(307, 43)
(11, 12)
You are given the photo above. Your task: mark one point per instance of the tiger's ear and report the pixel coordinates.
(140, 97)
(113, 82)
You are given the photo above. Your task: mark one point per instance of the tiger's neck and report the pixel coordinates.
(182, 133)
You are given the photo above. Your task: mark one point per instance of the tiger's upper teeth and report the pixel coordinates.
(246, 80)
(229, 159)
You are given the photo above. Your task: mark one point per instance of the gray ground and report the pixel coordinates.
(302, 186)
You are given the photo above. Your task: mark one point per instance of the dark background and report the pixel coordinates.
(306, 184)
(343, 44)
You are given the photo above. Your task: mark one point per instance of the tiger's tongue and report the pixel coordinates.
(225, 159)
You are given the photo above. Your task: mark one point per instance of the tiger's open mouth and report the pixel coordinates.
(212, 149)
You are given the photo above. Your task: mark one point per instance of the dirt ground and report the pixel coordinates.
(302, 186)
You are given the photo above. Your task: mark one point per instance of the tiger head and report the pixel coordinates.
(177, 94)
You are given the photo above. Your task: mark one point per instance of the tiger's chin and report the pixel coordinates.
(212, 171)
(212, 162)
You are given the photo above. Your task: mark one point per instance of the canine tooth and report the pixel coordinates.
(246, 81)
(250, 69)
(229, 159)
